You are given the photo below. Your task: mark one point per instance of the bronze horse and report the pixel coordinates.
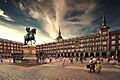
(29, 36)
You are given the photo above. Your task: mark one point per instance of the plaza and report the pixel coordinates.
(56, 71)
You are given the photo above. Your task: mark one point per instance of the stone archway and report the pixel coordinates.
(97, 54)
(91, 54)
(58, 55)
(72, 54)
(113, 53)
(86, 54)
(118, 53)
(61, 55)
(81, 54)
(65, 55)
(77, 55)
(68, 54)
(103, 54)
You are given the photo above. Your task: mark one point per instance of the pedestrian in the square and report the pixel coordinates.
(71, 60)
(1, 59)
(64, 59)
(81, 59)
(50, 59)
(108, 60)
(94, 63)
(90, 63)
(98, 65)
(119, 60)
(76, 58)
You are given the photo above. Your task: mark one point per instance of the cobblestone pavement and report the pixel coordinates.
(56, 71)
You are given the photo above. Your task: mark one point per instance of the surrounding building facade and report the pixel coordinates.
(104, 43)
(9, 48)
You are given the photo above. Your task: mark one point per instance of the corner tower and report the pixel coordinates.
(104, 35)
(104, 29)
(59, 38)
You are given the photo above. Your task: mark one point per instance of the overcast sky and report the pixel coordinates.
(75, 18)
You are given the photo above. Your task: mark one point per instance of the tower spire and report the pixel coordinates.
(59, 35)
(59, 31)
(104, 20)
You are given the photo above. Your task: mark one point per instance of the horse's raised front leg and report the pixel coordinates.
(34, 41)
(31, 42)
(25, 42)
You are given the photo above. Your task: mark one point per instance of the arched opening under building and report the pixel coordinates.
(118, 53)
(86, 54)
(113, 53)
(97, 54)
(77, 55)
(81, 54)
(65, 55)
(68, 54)
(58, 55)
(91, 54)
(103, 54)
(72, 54)
(61, 55)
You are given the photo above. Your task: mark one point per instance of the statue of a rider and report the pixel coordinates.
(29, 36)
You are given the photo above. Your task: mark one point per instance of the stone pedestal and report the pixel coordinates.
(29, 53)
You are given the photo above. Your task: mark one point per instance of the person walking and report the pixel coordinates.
(118, 60)
(50, 59)
(1, 59)
(94, 63)
(64, 59)
(90, 64)
(81, 59)
(71, 60)
(98, 65)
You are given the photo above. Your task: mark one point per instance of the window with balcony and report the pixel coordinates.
(81, 45)
(81, 49)
(105, 48)
(113, 47)
(1, 50)
(113, 42)
(119, 36)
(119, 41)
(119, 47)
(113, 37)
(104, 33)
(104, 43)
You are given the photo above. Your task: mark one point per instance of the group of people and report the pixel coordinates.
(71, 60)
(94, 64)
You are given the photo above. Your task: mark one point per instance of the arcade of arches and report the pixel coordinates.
(90, 54)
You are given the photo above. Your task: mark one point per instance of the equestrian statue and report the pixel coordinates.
(29, 36)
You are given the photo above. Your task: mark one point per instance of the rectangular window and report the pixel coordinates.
(81, 45)
(113, 47)
(119, 36)
(113, 37)
(113, 42)
(119, 41)
(119, 47)
(104, 43)
(104, 33)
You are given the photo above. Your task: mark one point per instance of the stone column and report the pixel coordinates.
(115, 53)
(100, 54)
(66, 54)
(108, 54)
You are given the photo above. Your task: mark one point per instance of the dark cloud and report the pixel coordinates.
(73, 15)
(82, 16)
